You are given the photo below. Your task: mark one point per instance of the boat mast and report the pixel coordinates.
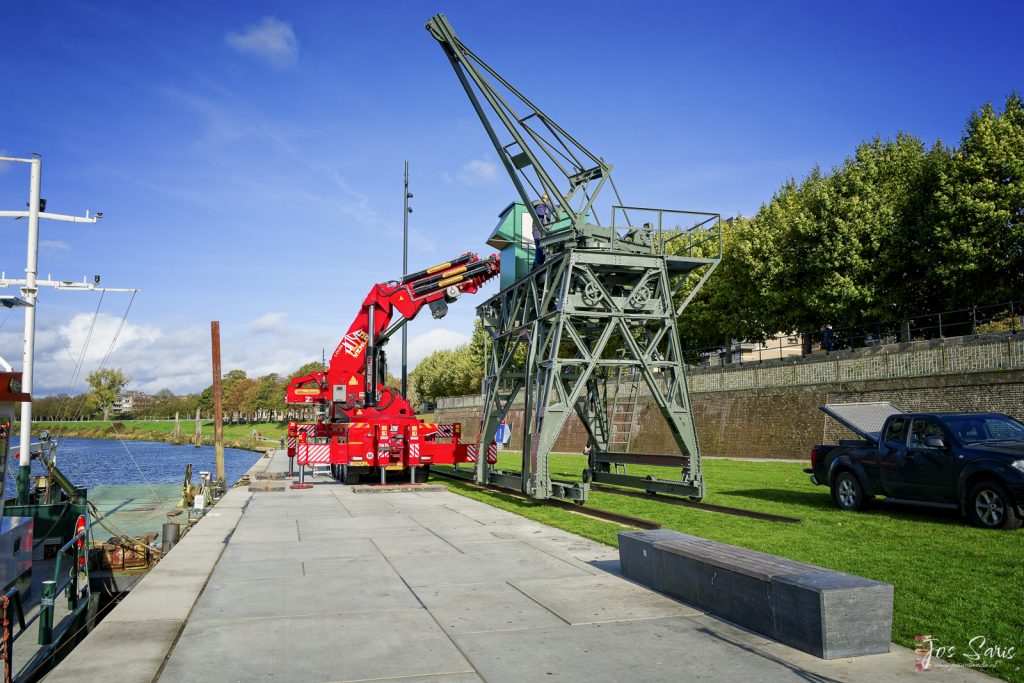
(30, 287)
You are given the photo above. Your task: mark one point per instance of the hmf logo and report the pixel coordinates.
(355, 342)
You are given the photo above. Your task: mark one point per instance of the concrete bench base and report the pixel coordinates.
(823, 612)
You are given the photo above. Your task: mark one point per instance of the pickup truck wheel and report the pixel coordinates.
(989, 506)
(847, 493)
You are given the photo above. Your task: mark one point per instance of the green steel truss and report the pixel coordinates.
(564, 335)
(603, 306)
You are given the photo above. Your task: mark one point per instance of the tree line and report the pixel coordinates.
(243, 398)
(899, 229)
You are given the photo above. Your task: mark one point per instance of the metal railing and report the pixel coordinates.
(682, 233)
(1002, 317)
(52, 589)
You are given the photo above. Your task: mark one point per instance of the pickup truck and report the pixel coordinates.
(970, 461)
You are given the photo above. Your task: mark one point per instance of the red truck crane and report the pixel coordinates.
(362, 424)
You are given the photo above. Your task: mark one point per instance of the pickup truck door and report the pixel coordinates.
(892, 449)
(928, 471)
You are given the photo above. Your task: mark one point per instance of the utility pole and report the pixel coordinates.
(405, 271)
(30, 289)
(218, 416)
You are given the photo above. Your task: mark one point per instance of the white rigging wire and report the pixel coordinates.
(103, 363)
(81, 360)
(7, 317)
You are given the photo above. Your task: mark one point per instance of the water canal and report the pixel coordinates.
(92, 462)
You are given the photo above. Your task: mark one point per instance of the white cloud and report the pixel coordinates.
(155, 357)
(176, 357)
(477, 172)
(422, 345)
(54, 245)
(269, 323)
(270, 40)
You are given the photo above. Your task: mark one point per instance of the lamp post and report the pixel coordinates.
(405, 271)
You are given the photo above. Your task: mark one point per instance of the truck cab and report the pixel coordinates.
(970, 461)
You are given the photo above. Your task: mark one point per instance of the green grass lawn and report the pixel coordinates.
(238, 434)
(953, 582)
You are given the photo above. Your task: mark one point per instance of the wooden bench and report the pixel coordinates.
(820, 611)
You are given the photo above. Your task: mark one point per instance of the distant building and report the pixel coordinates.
(129, 401)
(782, 346)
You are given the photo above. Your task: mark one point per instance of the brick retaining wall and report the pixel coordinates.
(770, 409)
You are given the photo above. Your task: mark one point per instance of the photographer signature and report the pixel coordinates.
(978, 652)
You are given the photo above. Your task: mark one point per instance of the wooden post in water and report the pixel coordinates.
(218, 416)
(198, 438)
(177, 426)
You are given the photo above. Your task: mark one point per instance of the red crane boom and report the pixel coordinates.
(365, 424)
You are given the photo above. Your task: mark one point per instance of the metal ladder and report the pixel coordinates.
(623, 412)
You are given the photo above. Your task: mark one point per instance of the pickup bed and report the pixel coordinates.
(971, 461)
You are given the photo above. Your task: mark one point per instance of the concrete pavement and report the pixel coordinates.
(327, 584)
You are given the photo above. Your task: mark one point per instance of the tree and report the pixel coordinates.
(266, 395)
(727, 307)
(236, 395)
(305, 369)
(447, 372)
(104, 386)
(981, 209)
(162, 403)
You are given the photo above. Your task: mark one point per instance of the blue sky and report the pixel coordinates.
(248, 156)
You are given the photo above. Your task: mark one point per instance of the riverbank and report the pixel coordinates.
(235, 435)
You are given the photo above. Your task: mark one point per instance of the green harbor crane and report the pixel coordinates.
(592, 330)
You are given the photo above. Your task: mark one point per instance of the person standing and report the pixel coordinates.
(828, 339)
(546, 213)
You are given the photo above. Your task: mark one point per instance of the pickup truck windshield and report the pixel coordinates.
(977, 428)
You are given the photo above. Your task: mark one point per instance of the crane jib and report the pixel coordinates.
(411, 277)
(442, 275)
(442, 280)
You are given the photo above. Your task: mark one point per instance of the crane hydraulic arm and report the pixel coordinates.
(356, 373)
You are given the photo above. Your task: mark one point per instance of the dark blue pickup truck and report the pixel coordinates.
(971, 461)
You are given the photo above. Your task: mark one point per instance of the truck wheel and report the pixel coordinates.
(349, 476)
(990, 507)
(847, 493)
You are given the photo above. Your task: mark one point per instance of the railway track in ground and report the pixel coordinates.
(707, 507)
(626, 520)
(597, 513)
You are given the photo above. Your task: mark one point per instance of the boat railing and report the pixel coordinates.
(53, 589)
